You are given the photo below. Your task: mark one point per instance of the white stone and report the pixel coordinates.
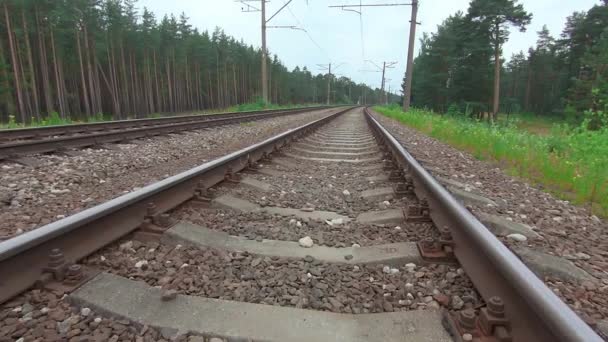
(387, 203)
(97, 320)
(356, 245)
(292, 222)
(517, 237)
(299, 224)
(44, 310)
(126, 246)
(184, 265)
(467, 337)
(178, 247)
(410, 266)
(102, 258)
(140, 263)
(346, 193)
(397, 228)
(409, 286)
(306, 242)
(19, 231)
(85, 312)
(394, 271)
(583, 256)
(337, 221)
(356, 268)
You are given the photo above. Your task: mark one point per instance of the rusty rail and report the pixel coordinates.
(533, 311)
(41, 140)
(23, 259)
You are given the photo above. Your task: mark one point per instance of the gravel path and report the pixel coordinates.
(63, 185)
(565, 230)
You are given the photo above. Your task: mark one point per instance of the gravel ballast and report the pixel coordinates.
(299, 283)
(565, 230)
(62, 185)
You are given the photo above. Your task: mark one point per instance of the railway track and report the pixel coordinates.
(328, 232)
(15, 143)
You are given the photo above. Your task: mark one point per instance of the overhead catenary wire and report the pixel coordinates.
(307, 33)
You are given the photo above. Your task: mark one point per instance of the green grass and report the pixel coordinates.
(55, 120)
(569, 162)
(532, 123)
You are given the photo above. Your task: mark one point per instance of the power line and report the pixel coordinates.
(410, 53)
(306, 31)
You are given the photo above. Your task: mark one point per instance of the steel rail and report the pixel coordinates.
(535, 313)
(16, 149)
(40, 132)
(24, 258)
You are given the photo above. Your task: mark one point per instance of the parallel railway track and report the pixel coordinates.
(514, 305)
(15, 143)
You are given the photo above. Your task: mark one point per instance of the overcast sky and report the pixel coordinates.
(335, 35)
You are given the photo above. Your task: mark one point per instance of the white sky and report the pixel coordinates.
(338, 33)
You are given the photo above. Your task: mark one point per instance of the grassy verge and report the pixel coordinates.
(541, 125)
(569, 162)
(55, 120)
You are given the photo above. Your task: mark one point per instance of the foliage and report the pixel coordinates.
(83, 57)
(555, 78)
(571, 162)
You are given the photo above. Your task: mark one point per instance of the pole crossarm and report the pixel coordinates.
(277, 12)
(369, 5)
(250, 8)
(287, 27)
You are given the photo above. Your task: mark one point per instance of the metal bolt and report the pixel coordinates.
(496, 307)
(428, 243)
(56, 258)
(151, 209)
(74, 274)
(467, 319)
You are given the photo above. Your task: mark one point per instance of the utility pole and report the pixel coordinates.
(328, 67)
(264, 55)
(407, 93)
(262, 9)
(382, 85)
(385, 65)
(329, 85)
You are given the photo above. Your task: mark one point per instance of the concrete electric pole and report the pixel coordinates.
(407, 92)
(262, 9)
(328, 67)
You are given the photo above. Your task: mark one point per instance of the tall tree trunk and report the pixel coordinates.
(95, 106)
(6, 101)
(26, 93)
(44, 66)
(83, 82)
(15, 63)
(34, 84)
(58, 86)
(496, 103)
(528, 90)
(156, 88)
